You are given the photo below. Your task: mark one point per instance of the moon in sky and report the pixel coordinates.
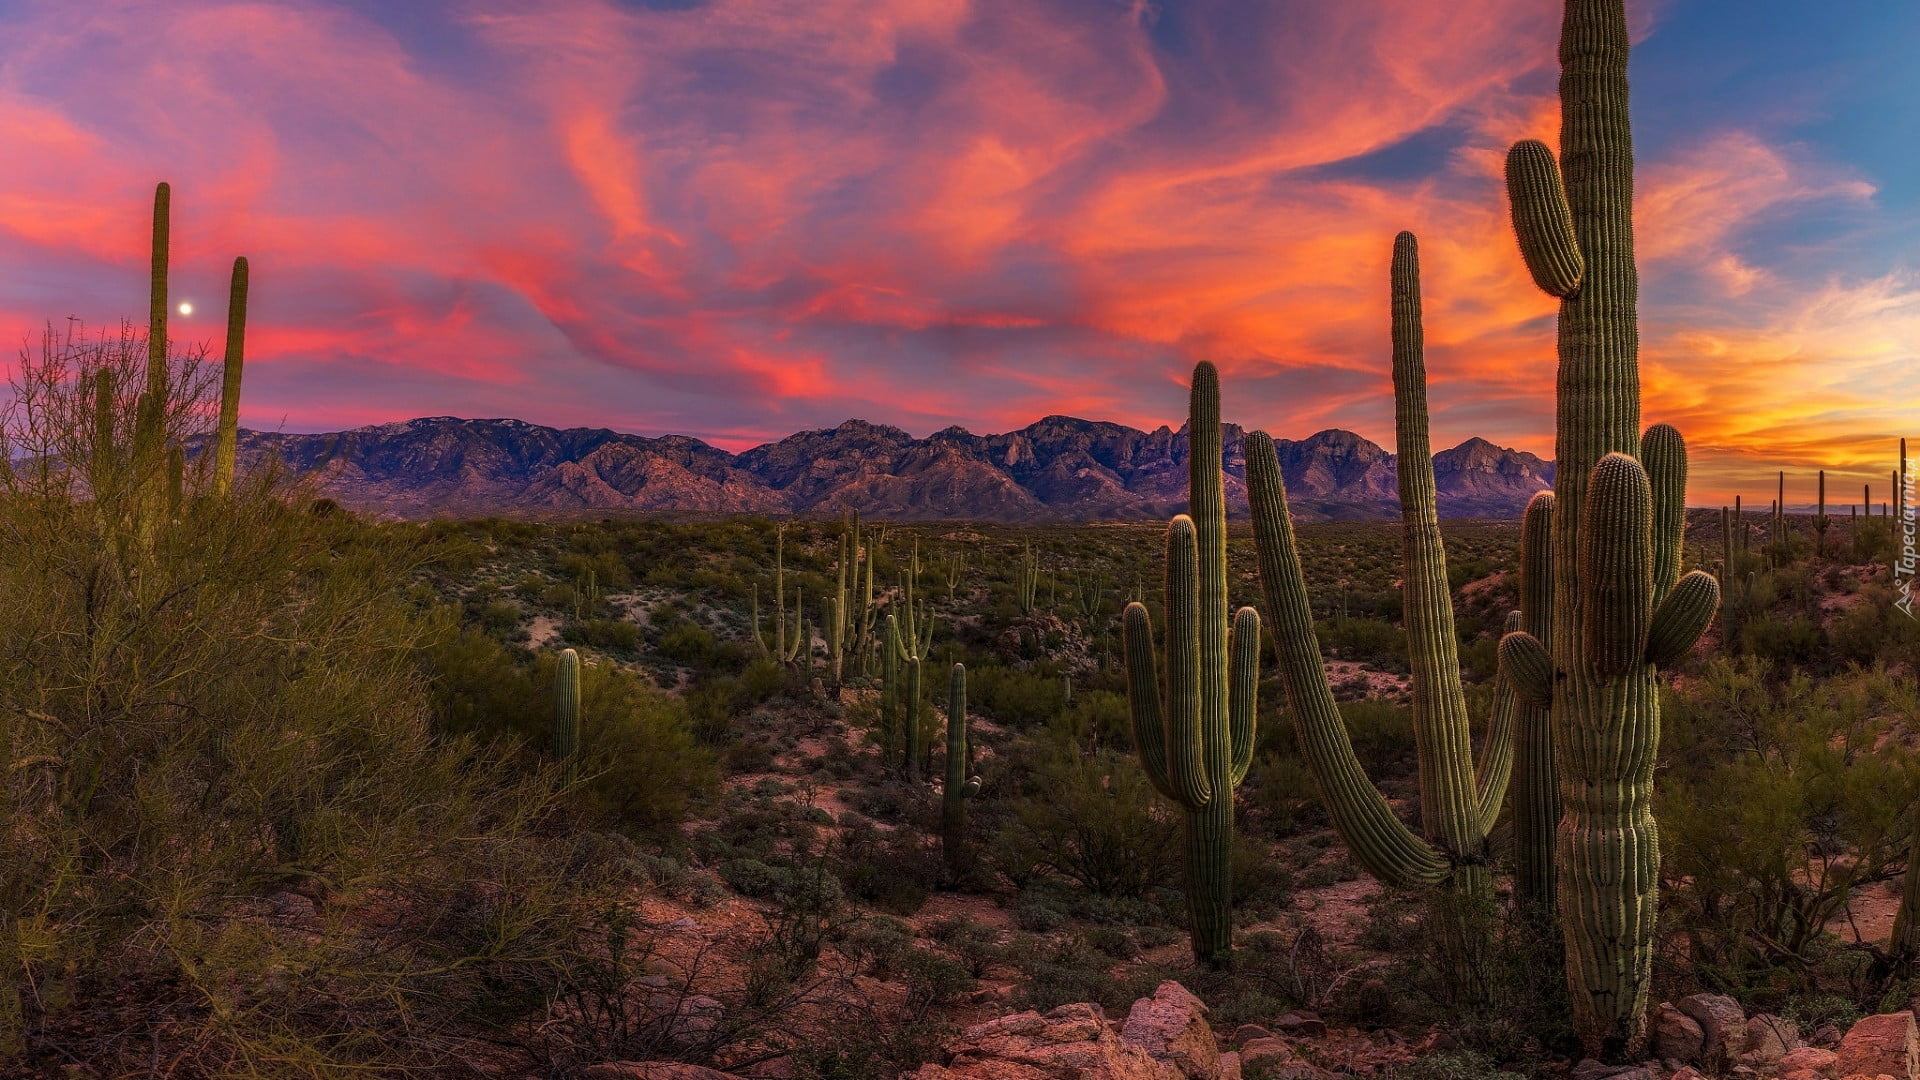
(186, 308)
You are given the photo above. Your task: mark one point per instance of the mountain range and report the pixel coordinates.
(1058, 469)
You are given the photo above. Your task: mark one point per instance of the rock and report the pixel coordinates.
(1722, 1023)
(1769, 1038)
(1686, 1072)
(1172, 1026)
(1887, 1043)
(1826, 1035)
(1246, 1033)
(1806, 1063)
(1265, 1052)
(1589, 1069)
(1165, 1037)
(652, 1070)
(1301, 1024)
(1675, 1036)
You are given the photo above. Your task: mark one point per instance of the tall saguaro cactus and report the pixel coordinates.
(1196, 736)
(229, 434)
(961, 783)
(157, 292)
(1619, 607)
(1459, 798)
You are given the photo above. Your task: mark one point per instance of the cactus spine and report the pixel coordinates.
(566, 715)
(229, 434)
(1617, 608)
(961, 783)
(1459, 800)
(1196, 743)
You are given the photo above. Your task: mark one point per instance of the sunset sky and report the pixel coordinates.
(735, 219)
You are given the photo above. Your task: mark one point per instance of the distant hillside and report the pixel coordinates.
(1057, 469)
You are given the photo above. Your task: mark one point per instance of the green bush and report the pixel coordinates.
(1094, 822)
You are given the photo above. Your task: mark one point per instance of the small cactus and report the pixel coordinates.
(566, 715)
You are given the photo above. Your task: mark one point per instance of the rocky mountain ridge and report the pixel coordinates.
(1059, 468)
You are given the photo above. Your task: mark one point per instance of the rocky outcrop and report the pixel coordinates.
(1164, 1037)
(1057, 469)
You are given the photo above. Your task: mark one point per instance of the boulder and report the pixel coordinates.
(1887, 1043)
(1722, 1023)
(1172, 1026)
(1675, 1036)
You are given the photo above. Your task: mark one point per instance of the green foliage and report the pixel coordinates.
(1091, 822)
(1783, 797)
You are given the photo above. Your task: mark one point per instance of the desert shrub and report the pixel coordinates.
(1373, 641)
(235, 841)
(1092, 821)
(640, 762)
(1796, 641)
(612, 635)
(1780, 798)
(1015, 695)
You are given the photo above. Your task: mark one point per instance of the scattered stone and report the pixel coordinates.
(1722, 1023)
(1246, 1033)
(291, 905)
(1301, 1024)
(1888, 1043)
(1675, 1036)
(1826, 1035)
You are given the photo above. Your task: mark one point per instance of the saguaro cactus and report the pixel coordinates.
(910, 638)
(1196, 742)
(1820, 519)
(961, 783)
(229, 434)
(566, 715)
(1619, 607)
(157, 292)
(1459, 798)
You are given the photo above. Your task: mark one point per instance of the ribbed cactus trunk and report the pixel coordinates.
(1618, 607)
(566, 715)
(157, 293)
(961, 784)
(229, 434)
(1196, 740)
(1820, 521)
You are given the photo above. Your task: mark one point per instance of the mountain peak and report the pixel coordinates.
(1058, 468)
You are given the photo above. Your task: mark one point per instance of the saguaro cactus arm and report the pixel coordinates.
(1493, 770)
(1143, 697)
(1542, 221)
(1617, 566)
(1527, 667)
(1243, 684)
(1379, 840)
(1682, 618)
(1663, 453)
